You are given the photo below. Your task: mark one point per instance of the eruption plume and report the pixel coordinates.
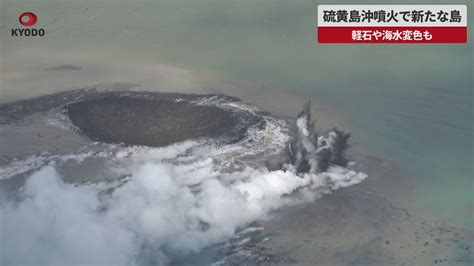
(310, 153)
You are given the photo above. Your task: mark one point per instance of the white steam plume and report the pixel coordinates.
(164, 207)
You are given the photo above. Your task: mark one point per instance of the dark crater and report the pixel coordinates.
(141, 117)
(148, 122)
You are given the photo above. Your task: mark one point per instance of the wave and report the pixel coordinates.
(137, 205)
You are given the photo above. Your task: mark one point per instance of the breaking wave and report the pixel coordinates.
(118, 205)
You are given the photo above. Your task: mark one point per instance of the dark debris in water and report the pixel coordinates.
(310, 152)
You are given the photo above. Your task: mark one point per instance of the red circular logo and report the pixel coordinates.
(28, 19)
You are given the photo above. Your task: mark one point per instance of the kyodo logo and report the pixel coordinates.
(28, 20)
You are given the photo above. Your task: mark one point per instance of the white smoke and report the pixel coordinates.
(171, 208)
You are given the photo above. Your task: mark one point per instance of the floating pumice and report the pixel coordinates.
(66, 67)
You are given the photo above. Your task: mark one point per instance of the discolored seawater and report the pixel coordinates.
(411, 104)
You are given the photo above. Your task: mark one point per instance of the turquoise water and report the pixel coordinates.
(412, 104)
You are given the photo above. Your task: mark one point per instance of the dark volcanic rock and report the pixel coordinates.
(142, 117)
(149, 122)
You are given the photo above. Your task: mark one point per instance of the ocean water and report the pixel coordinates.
(411, 104)
(191, 202)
